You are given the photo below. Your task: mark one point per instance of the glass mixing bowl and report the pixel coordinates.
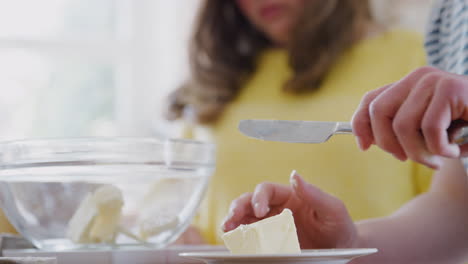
(100, 193)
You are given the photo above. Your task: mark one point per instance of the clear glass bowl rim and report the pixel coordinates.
(11, 151)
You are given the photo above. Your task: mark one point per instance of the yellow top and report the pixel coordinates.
(372, 184)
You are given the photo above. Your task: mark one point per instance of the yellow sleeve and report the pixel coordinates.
(416, 47)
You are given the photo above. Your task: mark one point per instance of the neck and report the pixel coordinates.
(371, 29)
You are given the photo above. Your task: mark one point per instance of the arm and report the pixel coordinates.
(432, 228)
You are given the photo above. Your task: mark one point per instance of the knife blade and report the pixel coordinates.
(311, 131)
(293, 131)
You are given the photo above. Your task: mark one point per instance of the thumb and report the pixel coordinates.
(319, 200)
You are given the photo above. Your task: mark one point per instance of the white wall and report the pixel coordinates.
(412, 14)
(143, 43)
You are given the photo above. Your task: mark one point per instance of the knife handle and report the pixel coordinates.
(461, 136)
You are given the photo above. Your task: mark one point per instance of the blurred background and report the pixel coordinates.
(104, 67)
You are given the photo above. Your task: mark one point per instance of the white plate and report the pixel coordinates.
(319, 256)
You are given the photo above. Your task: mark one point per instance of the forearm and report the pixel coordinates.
(432, 228)
(437, 234)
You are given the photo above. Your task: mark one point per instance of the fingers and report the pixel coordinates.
(436, 121)
(249, 208)
(408, 121)
(385, 107)
(383, 110)
(450, 103)
(240, 209)
(266, 195)
(302, 197)
(361, 122)
(191, 236)
(323, 203)
(421, 123)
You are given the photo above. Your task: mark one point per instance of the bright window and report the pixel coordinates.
(89, 67)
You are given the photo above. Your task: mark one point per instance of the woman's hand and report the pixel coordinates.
(322, 220)
(191, 236)
(410, 118)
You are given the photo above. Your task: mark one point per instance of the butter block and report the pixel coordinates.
(109, 201)
(80, 223)
(97, 217)
(273, 235)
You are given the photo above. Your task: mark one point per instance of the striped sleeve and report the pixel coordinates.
(447, 36)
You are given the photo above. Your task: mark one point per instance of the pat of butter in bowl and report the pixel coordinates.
(98, 216)
(273, 235)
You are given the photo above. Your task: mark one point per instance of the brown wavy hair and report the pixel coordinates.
(225, 45)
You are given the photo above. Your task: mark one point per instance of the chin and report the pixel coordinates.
(279, 34)
(280, 39)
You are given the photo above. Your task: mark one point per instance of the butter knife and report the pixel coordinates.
(311, 131)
